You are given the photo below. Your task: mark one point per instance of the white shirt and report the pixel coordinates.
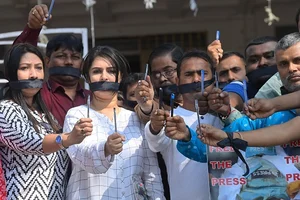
(95, 176)
(188, 179)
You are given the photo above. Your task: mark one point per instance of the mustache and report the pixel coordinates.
(294, 75)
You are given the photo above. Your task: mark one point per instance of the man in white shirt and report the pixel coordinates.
(188, 179)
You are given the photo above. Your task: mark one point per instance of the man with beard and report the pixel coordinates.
(272, 87)
(63, 58)
(189, 78)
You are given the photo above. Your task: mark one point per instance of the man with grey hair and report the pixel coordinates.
(272, 87)
(288, 62)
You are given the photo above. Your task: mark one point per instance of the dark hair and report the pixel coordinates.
(114, 56)
(228, 54)
(130, 80)
(287, 41)
(66, 40)
(195, 54)
(297, 17)
(260, 40)
(11, 66)
(175, 51)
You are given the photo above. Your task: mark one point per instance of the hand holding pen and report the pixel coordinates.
(50, 9)
(114, 143)
(215, 50)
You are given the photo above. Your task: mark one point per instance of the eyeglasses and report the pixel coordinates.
(168, 73)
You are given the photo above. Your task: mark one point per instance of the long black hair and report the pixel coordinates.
(114, 56)
(11, 66)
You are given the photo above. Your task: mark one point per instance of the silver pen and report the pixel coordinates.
(88, 106)
(198, 117)
(115, 120)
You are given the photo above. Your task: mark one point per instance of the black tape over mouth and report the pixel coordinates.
(25, 84)
(104, 86)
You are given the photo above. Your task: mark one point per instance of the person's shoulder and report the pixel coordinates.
(8, 106)
(76, 109)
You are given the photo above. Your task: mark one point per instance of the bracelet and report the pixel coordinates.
(222, 117)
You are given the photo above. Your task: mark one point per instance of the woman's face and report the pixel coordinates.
(103, 70)
(30, 67)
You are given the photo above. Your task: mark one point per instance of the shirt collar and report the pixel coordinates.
(54, 86)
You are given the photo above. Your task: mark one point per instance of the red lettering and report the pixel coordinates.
(220, 164)
(228, 181)
(243, 181)
(222, 181)
(295, 143)
(219, 149)
(214, 181)
(292, 177)
(291, 159)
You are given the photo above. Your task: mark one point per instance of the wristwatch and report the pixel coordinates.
(59, 141)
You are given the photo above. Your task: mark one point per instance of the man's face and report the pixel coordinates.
(288, 64)
(231, 69)
(260, 56)
(64, 57)
(190, 72)
(163, 71)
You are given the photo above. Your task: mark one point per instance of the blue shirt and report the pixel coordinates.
(196, 150)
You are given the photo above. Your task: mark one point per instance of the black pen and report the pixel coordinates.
(172, 103)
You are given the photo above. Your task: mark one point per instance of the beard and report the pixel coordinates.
(290, 86)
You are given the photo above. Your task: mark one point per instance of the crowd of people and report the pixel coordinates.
(147, 135)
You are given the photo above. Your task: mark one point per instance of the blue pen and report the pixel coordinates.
(218, 35)
(202, 81)
(172, 103)
(50, 9)
(245, 91)
(217, 79)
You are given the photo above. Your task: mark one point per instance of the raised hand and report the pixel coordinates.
(176, 129)
(219, 101)
(37, 16)
(144, 94)
(215, 51)
(259, 108)
(114, 144)
(210, 135)
(158, 120)
(202, 103)
(82, 128)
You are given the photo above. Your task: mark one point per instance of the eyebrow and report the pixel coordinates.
(25, 63)
(255, 55)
